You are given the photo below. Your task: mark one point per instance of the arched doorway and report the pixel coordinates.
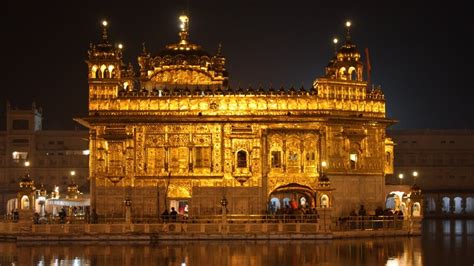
(290, 197)
(394, 200)
(430, 205)
(470, 205)
(457, 205)
(445, 207)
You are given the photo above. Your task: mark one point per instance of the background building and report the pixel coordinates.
(444, 162)
(177, 135)
(52, 154)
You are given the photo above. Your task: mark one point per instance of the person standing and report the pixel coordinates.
(173, 214)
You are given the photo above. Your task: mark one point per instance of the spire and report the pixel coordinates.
(219, 50)
(144, 48)
(348, 31)
(184, 28)
(104, 31)
(335, 41)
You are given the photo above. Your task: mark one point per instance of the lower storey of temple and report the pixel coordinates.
(150, 198)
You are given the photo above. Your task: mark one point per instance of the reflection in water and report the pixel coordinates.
(438, 246)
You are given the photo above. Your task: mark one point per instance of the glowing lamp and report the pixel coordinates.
(348, 24)
(415, 173)
(183, 18)
(400, 176)
(335, 40)
(104, 23)
(324, 164)
(27, 163)
(120, 46)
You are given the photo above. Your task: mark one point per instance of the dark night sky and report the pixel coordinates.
(419, 52)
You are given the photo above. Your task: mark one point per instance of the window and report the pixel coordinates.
(276, 159)
(19, 155)
(241, 159)
(20, 142)
(353, 160)
(179, 158)
(202, 157)
(20, 124)
(388, 157)
(310, 156)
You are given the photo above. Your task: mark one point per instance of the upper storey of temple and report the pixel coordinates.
(346, 63)
(182, 64)
(183, 79)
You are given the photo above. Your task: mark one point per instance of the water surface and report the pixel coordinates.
(444, 242)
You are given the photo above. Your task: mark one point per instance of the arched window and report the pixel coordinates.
(276, 159)
(241, 159)
(353, 160)
(388, 157)
(324, 201)
(103, 69)
(25, 203)
(342, 73)
(352, 73)
(94, 72)
(416, 209)
(111, 71)
(457, 205)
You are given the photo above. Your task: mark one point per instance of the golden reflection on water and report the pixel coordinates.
(405, 251)
(442, 243)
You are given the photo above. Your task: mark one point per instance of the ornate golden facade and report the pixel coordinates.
(178, 133)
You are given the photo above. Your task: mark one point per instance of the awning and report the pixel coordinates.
(69, 202)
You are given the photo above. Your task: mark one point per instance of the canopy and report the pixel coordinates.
(69, 202)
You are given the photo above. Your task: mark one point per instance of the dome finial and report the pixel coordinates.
(219, 49)
(348, 32)
(104, 31)
(184, 28)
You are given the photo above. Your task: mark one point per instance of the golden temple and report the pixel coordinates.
(177, 135)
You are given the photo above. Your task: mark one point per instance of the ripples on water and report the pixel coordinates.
(443, 242)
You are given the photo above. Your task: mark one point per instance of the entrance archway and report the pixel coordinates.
(291, 196)
(394, 200)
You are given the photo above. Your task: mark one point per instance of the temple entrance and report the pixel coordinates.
(395, 201)
(181, 206)
(290, 197)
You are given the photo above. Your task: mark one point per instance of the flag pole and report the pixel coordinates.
(369, 67)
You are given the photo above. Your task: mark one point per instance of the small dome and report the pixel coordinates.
(348, 48)
(185, 52)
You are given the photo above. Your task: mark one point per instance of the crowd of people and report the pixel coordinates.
(361, 220)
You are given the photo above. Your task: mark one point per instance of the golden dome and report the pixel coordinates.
(182, 63)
